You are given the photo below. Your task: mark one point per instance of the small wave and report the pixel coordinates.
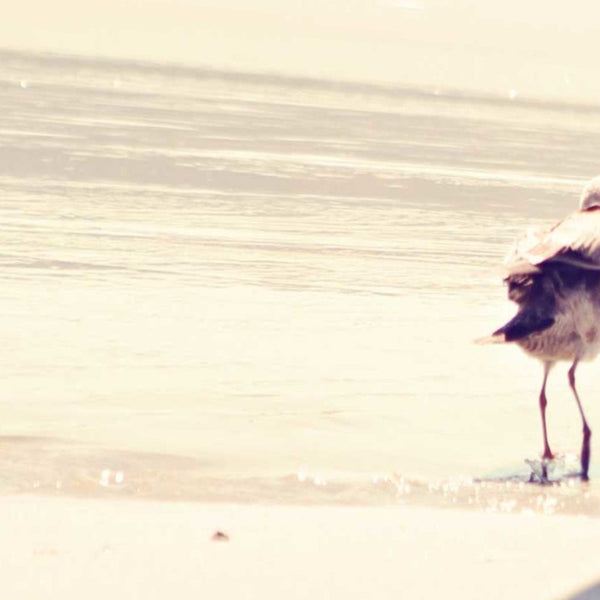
(38, 465)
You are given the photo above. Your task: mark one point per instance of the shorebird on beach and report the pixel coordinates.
(554, 278)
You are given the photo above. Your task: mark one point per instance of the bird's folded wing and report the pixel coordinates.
(574, 241)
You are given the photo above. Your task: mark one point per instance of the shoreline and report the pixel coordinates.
(55, 470)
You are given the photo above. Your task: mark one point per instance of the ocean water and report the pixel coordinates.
(233, 286)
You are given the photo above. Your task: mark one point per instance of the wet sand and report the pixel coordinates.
(73, 548)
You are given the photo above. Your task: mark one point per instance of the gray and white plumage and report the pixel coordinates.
(553, 276)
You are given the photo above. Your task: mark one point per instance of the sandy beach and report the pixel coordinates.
(71, 548)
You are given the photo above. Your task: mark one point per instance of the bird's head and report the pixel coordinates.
(590, 196)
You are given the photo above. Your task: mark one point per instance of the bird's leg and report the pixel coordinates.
(587, 432)
(543, 402)
(547, 452)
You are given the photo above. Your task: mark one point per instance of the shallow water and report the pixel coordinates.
(225, 285)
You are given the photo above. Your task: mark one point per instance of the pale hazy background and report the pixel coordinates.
(533, 48)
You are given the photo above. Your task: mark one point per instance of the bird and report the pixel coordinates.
(553, 275)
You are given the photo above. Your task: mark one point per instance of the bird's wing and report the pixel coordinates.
(574, 241)
(517, 261)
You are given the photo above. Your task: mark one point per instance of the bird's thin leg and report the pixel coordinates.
(587, 432)
(543, 402)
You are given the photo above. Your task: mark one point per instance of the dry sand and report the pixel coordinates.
(74, 548)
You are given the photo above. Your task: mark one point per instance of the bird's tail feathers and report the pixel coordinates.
(524, 323)
(495, 338)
